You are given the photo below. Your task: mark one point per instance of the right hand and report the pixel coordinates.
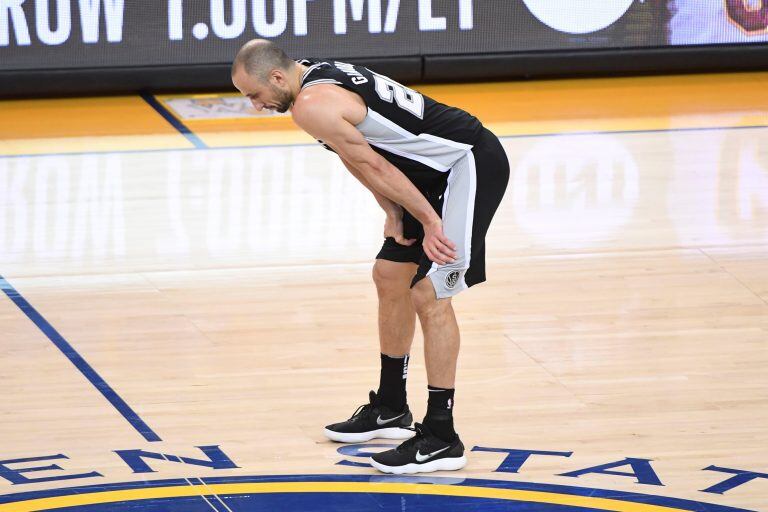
(393, 227)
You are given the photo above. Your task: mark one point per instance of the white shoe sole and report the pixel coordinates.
(361, 437)
(446, 464)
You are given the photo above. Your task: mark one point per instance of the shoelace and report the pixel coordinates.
(365, 407)
(420, 434)
(360, 410)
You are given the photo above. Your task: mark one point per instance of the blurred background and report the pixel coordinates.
(86, 46)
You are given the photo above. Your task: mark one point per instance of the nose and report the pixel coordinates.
(257, 105)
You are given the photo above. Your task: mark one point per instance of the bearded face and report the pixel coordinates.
(272, 93)
(282, 99)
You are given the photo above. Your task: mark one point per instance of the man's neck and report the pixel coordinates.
(297, 73)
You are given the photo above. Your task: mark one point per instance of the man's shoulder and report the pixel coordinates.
(320, 94)
(320, 100)
(324, 104)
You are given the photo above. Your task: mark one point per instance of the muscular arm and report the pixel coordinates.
(324, 112)
(330, 114)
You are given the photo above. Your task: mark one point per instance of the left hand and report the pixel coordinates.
(438, 247)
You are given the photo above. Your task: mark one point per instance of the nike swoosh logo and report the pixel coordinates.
(380, 421)
(422, 458)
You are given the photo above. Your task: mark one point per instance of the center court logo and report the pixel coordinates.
(335, 492)
(578, 16)
(332, 493)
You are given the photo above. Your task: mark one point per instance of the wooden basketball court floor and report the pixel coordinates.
(188, 303)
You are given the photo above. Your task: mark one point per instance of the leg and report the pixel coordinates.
(436, 446)
(397, 318)
(441, 334)
(386, 415)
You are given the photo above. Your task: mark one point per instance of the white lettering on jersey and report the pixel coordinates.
(350, 70)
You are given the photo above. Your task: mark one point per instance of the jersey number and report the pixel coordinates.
(407, 99)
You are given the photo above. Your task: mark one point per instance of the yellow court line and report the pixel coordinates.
(521, 108)
(604, 504)
(93, 144)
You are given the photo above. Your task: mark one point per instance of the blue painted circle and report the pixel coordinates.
(326, 502)
(358, 500)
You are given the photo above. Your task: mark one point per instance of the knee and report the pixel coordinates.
(425, 301)
(389, 281)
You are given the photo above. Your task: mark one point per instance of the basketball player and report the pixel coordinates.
(439, 176)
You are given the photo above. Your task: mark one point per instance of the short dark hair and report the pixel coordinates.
(260, 56)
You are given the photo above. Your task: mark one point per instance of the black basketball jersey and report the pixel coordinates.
(418, 135)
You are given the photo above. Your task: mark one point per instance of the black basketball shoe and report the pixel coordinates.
(372, 420)
(423, 453)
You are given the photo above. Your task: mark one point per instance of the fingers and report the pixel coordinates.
(439, 252)
(446, 242)
(446, 249)
(437, 257)
(439, 248)
(443, 251)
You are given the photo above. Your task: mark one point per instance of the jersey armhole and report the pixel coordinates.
(335, 82)
(348, 88)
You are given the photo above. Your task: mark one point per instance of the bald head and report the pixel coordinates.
(266, 75)
(258, 57)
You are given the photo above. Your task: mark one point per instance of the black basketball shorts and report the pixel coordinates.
(474, 189)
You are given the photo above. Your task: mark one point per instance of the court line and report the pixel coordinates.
(311, 489)
(206, 489)
(205, 498)
(151, 489)
(173, 121)
(721, 266)
(76, 359)
(310, 144)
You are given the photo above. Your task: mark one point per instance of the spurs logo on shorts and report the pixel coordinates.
(451, 279)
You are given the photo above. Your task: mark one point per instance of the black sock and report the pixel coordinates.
(394, 371)
(439, 418)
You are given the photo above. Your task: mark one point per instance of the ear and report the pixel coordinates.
(277, 77)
